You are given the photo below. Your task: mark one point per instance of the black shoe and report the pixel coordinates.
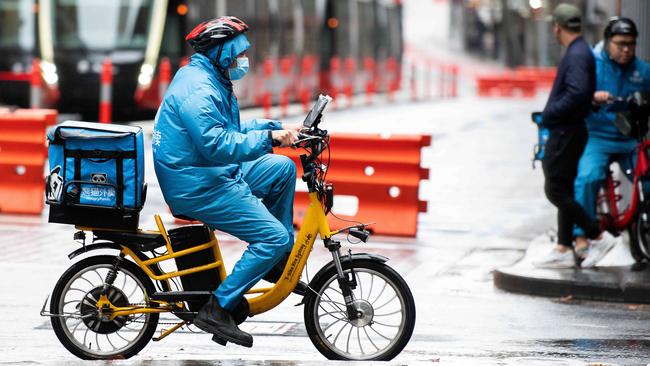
(213, 319)
(215, 338)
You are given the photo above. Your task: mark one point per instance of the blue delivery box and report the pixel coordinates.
(96, 175)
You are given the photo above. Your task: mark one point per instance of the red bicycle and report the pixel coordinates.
(632, 120)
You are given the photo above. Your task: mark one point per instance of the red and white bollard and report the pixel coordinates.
(414, 86)
(267, 97)
(335, 69)
(165, 77)
(371, 82)
(286, 65)
(106, 92)
(306, 83)
(350, 77)
(35, 85)
(392, 78)
(454, 81)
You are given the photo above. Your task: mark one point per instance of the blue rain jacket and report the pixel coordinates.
(619, 81)
(216, 169)
(199, 142)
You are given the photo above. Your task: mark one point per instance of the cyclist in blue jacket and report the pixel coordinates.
(618, 74)
(215, 169)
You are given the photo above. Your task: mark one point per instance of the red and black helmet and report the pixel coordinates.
(213, 32)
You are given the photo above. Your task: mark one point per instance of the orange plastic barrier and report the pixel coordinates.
(22, 156)
(522, 81)
(383, 174)
(506, 85)
(543, 76)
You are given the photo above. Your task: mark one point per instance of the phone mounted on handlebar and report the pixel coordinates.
(316, 113)
(632, 114)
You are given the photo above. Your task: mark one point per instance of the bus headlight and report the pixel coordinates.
(146, 75)
(49, 72)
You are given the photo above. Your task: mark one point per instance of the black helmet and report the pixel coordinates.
(620, 26)
(208, 34)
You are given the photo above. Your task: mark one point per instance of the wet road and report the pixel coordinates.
(485, 206)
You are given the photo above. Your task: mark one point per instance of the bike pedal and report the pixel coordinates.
(218, 340)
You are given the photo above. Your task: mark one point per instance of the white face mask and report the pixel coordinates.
(240, 70)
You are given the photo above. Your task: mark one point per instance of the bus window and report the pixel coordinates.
(345, 22)
(260, 24)
(173, 36)
(286, 26)
(367, 26)
(102, 25)
(17, 24)
(394, 34)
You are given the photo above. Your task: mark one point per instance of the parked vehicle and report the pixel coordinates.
(294, 44)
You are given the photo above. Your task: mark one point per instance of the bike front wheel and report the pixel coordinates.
(77, 322)
(381, 296)
(640, 238)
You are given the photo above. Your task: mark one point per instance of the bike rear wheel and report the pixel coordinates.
(388, 313)
(81, 330)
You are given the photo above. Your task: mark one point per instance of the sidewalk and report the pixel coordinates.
(612, 280)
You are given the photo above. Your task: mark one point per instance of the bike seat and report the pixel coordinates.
(139, 240)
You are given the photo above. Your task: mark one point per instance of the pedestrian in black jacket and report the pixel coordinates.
(564, 114)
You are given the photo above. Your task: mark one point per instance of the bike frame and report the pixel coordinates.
(315, 222)
(621, 220)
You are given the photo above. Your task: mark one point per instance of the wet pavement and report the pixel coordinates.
(485, 207)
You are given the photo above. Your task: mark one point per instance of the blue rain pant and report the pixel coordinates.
(592, 170)
(266, 224)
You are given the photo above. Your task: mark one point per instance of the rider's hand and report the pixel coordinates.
(296, 127)
(286, 138)
(601, 96)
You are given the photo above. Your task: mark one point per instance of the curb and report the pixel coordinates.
(615, 284)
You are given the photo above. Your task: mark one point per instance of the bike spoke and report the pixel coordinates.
(372, 279)
(347, 346)
(77, 289)
(124, 339)
(381, 335)
(386, 325)
(70, 302)
(358, 276)
(86, 334)
(339, 333)
(76, 325)
(387, 314)
(101, 278)
(330, 325)
(386, 303)
(92, 285)
(333, 312)
(359, 339)
(370, 339)
(380, 293)
(109, 342)
(130, 295)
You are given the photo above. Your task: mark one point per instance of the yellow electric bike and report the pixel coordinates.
(107, 306)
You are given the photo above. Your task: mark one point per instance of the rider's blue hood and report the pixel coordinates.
(231, 49)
